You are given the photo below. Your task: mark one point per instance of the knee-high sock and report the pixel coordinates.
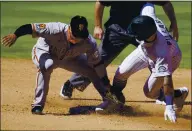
(42, 88)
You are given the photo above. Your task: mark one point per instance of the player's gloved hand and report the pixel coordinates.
(9, 40)
(170, 113)
(98, 32)
(173, 28)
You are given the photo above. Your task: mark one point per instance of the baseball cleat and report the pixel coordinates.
(105, 107)
(66, 90)
(111, 97)
(120, 97)
(37, 110)
(180, 101)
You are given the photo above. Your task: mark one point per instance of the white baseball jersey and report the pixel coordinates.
(163, 53)
(54, 37)
(163, 57)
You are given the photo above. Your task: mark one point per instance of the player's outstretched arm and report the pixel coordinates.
(169, 94)
(10, 39)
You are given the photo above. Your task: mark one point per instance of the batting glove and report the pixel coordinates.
(170, 113)
(9, 40)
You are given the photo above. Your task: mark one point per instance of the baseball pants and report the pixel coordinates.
(137, 61)
(45, 63)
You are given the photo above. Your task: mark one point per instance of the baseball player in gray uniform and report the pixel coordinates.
(70, 47)
(158, 51)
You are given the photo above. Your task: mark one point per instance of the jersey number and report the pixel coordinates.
(164, 30)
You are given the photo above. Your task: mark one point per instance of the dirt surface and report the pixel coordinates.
(140, 113)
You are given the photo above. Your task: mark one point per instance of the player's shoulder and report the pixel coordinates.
(161, 36)
(57, 27)
(62, 24)
(91, 41)
(57, 24)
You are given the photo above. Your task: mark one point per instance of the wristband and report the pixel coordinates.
(169, 100)
(23, 30)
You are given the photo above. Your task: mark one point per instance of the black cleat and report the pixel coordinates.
(66, 90)
(37, 110)
(119, 94)
(120, 97)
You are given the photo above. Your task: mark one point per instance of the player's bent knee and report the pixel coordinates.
(120, 75)
(47, 65)
(147, 93)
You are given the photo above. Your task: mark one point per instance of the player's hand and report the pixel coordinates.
(174, 29)
(170, 113)
(9, 40)
(98, 32)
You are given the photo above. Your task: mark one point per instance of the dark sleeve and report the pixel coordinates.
(160, 3)
(23, 30)
(106, 3)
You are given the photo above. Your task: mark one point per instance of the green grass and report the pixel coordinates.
(14, 14)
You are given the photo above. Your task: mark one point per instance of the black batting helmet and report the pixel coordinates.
(79, 27)
(142, 27)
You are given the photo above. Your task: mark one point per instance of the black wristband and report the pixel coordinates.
(105, 80)
(23, 30)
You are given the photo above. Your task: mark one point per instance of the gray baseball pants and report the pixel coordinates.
(45, 63)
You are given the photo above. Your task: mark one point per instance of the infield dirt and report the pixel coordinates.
(17, 92)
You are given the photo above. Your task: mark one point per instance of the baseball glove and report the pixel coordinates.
(9, 40)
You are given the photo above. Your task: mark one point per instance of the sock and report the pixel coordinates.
(118, 83)
(118, 86)
(177, 93)
(169, 100)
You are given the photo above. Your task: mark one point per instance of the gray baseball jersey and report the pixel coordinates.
(53, 50)
(55, 36)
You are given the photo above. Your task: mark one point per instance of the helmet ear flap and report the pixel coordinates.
(134, 31)
(130, 31)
